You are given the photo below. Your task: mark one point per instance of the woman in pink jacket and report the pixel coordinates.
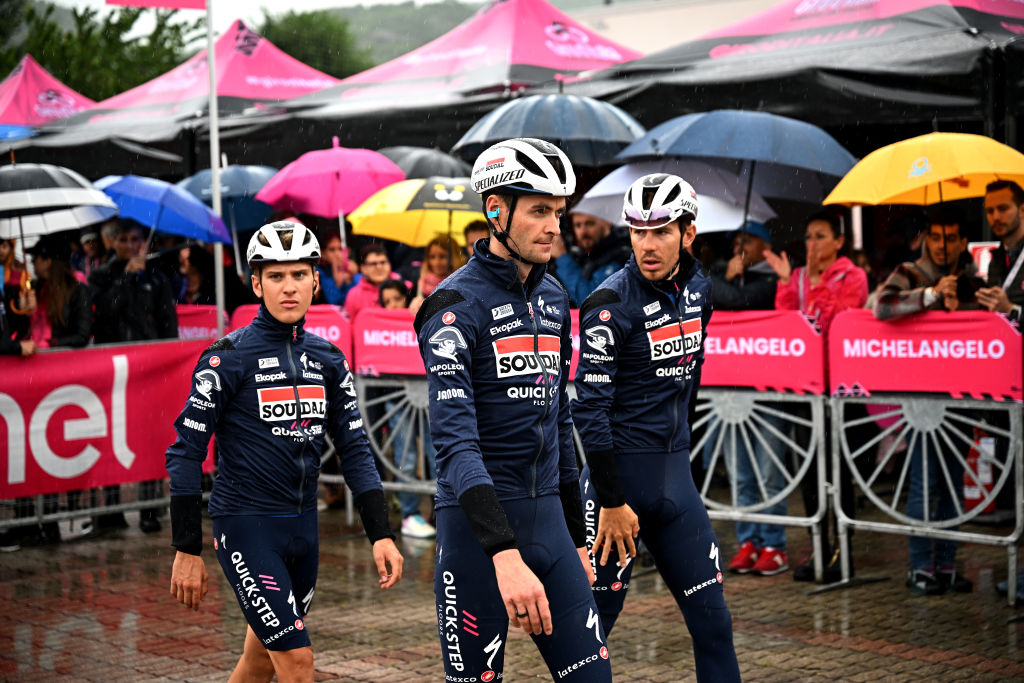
(827, 285)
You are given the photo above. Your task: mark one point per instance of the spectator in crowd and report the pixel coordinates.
(58, 305)
(477, 230)
(197, 278)
(599, 251)
(828, 284)
(90, 257)
(133, 303)
(108, 233)
(442, 258)
(14, 270)
(374, 270)
(940, 280)
(395, 295)
(1004, 206)
(747, 282)
(336, 271)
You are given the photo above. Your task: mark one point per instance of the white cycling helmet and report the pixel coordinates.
(523, 166)
(266, 244)
(657, 199)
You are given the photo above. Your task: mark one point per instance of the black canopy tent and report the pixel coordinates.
(869, 81)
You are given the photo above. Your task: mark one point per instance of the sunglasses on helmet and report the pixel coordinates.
(655, 219)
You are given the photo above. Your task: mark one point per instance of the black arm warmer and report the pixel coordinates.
(374, 513)
(572, 508)
(187, 523)
(488, 520)
(605, 478)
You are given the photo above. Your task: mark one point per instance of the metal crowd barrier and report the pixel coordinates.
(919, 375)
(791, 431)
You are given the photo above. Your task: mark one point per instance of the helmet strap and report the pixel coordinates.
(504, 237)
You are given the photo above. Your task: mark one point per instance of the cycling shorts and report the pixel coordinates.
(271, 564)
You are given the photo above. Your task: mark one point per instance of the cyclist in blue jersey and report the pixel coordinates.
(496, 342)
(641, 351)
(271, 391)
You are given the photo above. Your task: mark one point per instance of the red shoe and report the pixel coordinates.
(771, 562)
(745, 559)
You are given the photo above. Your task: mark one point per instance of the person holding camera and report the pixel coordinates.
(943, 278)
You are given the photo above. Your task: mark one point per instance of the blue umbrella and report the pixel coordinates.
(589, 131)
(164, 207)
(778, 156)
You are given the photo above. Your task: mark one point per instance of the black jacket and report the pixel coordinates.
(753, 291)
(132, 306)
(77, 316)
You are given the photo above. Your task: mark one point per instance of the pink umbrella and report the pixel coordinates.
(330, 182)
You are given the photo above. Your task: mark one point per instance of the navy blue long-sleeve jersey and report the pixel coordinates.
(271, 392)
(497, 355)
(641, 350)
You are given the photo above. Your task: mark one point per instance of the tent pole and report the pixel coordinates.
(218, 248)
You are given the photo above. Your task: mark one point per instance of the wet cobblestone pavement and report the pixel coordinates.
(100, 610)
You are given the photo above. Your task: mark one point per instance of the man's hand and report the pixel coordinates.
(945, 289)
(994, 299)
(28, 347)
(135, 264)
(588, 567)
(619, 526)
(522, 592)
(734, 268)
(189, 581)
(387, 557)
(780, 264)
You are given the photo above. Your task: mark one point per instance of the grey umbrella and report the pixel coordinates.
(589, 131)
(39, 199)
(423, 162)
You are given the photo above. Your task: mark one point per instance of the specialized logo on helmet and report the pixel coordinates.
(600, 338)
(514, 356)
(207, 381)
(675, 340)
(480, 184)
(447, 342)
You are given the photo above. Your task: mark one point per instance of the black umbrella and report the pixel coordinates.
(39, 199)
(589, 131)
(423, 162)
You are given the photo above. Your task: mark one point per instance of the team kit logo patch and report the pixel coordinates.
(277, 404)
(514, 356)
(675, 340)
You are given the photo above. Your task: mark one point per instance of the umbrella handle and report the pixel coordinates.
(341, 229)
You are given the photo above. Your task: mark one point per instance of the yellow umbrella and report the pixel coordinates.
(933, 168)
(416, 211)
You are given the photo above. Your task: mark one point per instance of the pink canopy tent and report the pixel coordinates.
(506, 46)
(31, 96)
(250, 71)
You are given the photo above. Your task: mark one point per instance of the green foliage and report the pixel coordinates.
(391, 30)
(100, 56)
(321, 39)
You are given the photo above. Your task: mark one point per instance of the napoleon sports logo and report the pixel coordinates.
(514, 356)
(674, 340)
(277, 404)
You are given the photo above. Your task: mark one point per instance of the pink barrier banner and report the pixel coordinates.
(197, 322)
(969, 353)
(91, 417)
(385, 343)
(765, 350)
(323, 320)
